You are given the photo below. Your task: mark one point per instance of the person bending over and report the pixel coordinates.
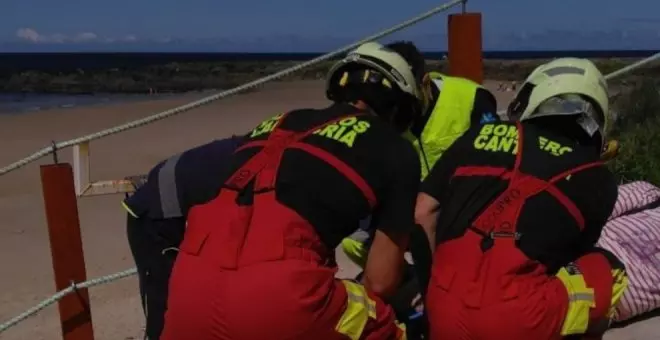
(257, 258)
(513, 212)
(452, 105)
(156, 219)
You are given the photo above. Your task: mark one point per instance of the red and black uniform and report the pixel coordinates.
(257, 260)
(521, 210)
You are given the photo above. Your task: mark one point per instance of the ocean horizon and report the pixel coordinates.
(67, 61)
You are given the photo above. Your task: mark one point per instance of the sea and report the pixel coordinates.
(16, 103)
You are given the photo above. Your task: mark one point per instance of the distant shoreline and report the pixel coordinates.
(155, 76)
(44, 61)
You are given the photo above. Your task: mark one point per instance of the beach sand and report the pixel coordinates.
(26, 275)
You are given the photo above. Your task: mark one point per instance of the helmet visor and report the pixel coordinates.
(591, 119)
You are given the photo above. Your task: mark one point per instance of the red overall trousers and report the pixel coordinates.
(260, 271)
(483, 287)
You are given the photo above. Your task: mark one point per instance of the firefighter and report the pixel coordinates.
(257, 258)
(453, 104)
(513, 212)
(156, 220)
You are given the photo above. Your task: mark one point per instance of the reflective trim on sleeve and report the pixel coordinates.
(580, 301)
(167, 189)
(359, 309)
(128, 209)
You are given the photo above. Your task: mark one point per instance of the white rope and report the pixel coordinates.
(632, 67)
(59, 295)
(187, 107)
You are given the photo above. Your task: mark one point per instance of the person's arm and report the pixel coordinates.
(427, 210)
(141, 202)
(434, 186)
(183, 180)
(394, 220)
(604, 193)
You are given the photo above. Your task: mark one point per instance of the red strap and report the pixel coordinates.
(252, 144)
(342, 167)
(519, 151)
(265, 163)
(502, 214)
(467, 171)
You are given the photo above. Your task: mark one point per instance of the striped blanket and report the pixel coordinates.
(633, 234)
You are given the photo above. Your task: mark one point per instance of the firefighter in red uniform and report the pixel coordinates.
(522, 206)
(257, 259)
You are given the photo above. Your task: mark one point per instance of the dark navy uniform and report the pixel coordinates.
(157, 218)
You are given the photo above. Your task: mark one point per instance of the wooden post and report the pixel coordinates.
(465, 46)
(66, 249)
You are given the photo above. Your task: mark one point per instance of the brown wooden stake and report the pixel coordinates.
(465, 46)
(66, 249)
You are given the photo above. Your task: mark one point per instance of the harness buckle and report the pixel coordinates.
(504, 234)
(488, 239)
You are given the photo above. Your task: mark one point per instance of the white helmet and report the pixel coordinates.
(558, 88)
(378, 57)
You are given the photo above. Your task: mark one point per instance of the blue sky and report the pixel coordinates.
(136, 21)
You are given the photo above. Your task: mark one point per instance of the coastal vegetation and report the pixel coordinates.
(637, 128)
(200, 76)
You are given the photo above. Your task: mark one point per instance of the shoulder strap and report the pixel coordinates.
(278, 140)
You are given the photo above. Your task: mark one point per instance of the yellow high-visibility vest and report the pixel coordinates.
(449, 119)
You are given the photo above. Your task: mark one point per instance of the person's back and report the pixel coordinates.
(522, 206)
(551, 231)
(320, 190)
(257, 260)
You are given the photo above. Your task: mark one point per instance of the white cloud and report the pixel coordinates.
(28, 34)
(31, 35)
(86, 36)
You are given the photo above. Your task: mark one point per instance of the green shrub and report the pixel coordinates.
(638, 130)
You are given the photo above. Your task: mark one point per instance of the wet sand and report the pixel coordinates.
(26, 275)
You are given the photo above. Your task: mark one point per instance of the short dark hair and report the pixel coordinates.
(412, 55)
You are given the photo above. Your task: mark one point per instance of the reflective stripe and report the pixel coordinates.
(619, 288)
(128, 209)
(167, 189)
(359, 308)
(580, 302)
(356, 250)
(555, 71)
(403, 335)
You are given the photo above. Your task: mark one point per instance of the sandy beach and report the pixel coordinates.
(26, 275)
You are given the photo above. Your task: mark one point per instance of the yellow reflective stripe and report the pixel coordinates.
(620, 285)
(580, 301)
(123, 204)
(449, 119)
(359, 309)
(355, 250)
(402, 328)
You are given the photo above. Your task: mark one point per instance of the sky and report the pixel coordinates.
(142, 21)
